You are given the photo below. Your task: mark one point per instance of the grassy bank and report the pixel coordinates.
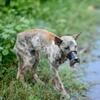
(63, 17)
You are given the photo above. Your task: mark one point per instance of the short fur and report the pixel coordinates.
(31, 43)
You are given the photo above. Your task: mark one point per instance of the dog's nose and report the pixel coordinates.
(73, 58)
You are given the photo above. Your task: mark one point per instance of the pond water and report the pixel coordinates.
(92, 73)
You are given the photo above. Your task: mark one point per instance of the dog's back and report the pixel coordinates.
(34, 38)
(40, 33)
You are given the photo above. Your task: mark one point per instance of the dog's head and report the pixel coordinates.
(68, 45)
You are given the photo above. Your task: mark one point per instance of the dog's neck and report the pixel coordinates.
(55, 54)
(63, 58)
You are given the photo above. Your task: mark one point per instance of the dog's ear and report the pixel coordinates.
(76, 36)
(58, 41)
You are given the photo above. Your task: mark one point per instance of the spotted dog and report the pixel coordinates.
(31, 43)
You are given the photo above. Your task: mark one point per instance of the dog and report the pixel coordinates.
(31, 43)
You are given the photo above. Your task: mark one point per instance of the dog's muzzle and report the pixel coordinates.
(72, 56)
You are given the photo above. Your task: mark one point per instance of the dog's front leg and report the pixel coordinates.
(58, 85)
(57, 82)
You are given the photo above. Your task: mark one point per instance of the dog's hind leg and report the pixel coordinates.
(24, 63)
(21, 68)
(34, 68)
(35, 77)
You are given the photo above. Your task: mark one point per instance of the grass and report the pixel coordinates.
(63, 17)
(11, 89)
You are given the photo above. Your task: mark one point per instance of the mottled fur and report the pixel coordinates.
(30, 44)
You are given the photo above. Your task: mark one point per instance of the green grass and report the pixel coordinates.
(11, 89)
(63, 17)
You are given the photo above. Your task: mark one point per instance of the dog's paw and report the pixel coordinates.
(65, 97)
(41, 83)
(38, 82)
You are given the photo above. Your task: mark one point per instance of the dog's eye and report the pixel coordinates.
(75, 46)
(66, 48)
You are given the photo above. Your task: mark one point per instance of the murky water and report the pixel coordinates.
(92, 73)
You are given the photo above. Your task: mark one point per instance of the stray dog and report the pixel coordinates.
(31, 43)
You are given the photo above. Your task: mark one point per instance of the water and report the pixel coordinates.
(92, 73)
(93, 93)
(96, 51)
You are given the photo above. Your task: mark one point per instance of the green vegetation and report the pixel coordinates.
(59, 16)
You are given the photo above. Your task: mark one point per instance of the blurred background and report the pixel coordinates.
(63, 17)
